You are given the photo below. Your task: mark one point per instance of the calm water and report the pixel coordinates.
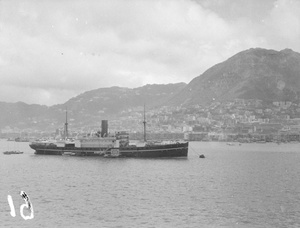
(252, 185)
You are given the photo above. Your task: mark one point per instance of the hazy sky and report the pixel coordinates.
(52, 50)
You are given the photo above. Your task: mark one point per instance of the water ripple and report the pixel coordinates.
(247, 186)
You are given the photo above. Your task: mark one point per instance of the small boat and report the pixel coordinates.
(12, 152)
(21, 139)
(230, 144)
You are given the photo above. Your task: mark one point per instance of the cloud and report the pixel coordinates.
(53, 50)
(284, 21)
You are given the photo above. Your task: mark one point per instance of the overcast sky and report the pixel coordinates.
(52, 50)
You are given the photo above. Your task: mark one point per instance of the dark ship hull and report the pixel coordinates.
(148, 151)
(152, 151)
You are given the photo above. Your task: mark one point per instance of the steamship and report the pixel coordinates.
(110, 146)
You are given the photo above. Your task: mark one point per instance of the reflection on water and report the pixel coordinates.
(234, 186)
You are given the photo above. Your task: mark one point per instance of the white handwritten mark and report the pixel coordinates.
(11, 205)
(27, 204)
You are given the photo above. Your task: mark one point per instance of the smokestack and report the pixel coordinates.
(104, 128)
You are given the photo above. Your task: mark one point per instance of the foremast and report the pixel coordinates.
(66, 125)
(144, 122)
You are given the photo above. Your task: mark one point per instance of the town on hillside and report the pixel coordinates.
(238, 120)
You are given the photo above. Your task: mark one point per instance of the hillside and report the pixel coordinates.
(115, 99)
(21, 114)
(252, 74)
(107, 103)
(87, 108)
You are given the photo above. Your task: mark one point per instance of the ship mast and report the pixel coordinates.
(144, 122)
(66, 125)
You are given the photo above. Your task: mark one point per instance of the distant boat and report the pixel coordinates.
(230, 144)
(12, 152)
(19, 139)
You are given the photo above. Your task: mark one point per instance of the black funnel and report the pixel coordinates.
(104, 128)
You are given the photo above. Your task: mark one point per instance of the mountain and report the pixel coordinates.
(20, 113)
(116, 99)
(103, 103)
(87, 108)
(252, 74)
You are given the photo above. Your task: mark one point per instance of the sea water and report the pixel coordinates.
(247, 185)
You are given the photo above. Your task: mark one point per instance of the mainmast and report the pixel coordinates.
(144, 122)
(66, 124)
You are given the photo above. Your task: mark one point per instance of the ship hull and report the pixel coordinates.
(173, 150)
(154, 151)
